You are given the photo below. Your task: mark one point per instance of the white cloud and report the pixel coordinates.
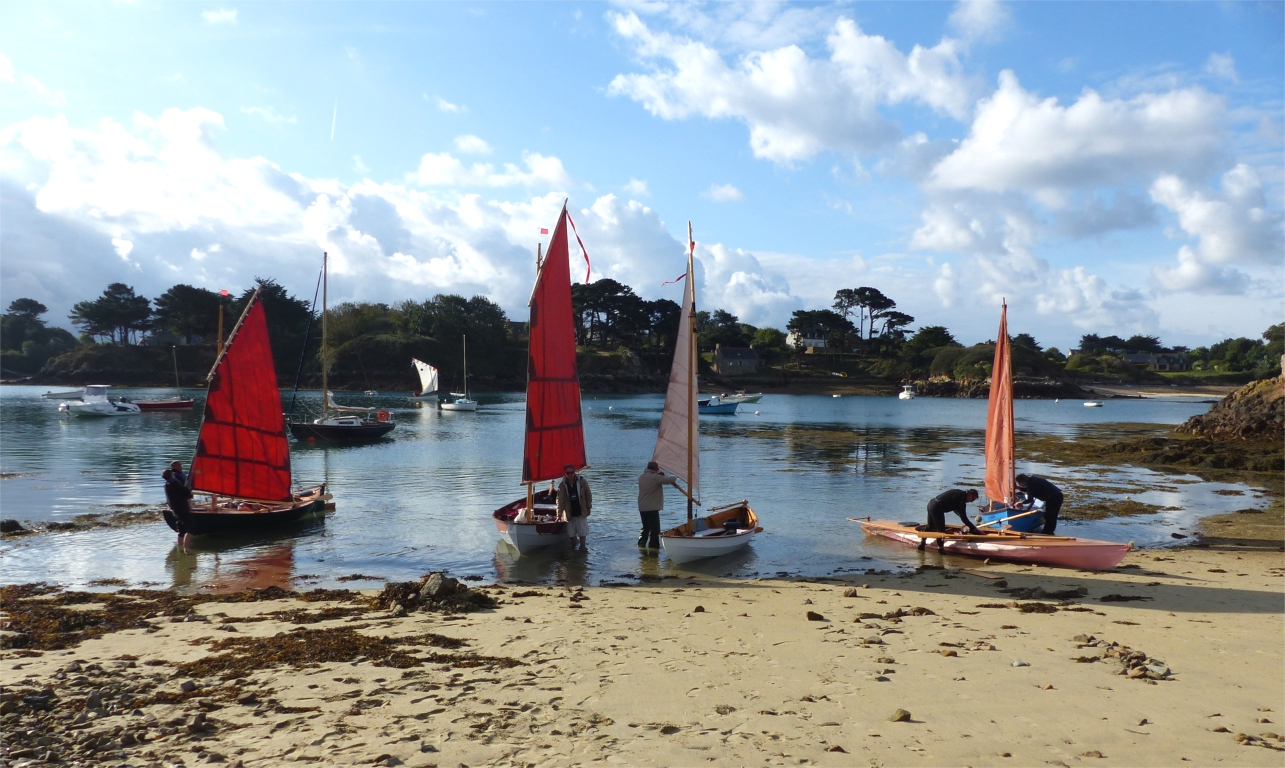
(221, 16)
(794, 105)
(722, 193)
(445, 170)
(1223, 66)
(270, 115)
(979, 19)
(471, 145)
(123, 247)
(446, 106)
(637, 187)
(1021, 142)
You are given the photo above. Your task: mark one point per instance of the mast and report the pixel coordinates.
(691, 367)
(466, 366)
(325, 353)
(174, 352)
(530, 485)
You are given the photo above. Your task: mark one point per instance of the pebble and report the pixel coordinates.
(900, 716)
(1020, 663)
(187, 686)
(1092, 753)
(814, 616)
(698, 609)
(949, 652)
(850, 592)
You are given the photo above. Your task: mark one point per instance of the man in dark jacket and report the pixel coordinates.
(179, 498)
(955, 500)
(1050, 494)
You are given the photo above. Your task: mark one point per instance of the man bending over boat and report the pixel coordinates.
(1050, 494)
(574, 502)
(955, 500)
(651, 500)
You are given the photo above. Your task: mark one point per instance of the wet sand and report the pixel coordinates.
(994, 664)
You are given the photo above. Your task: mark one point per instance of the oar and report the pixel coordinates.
(1012, 517)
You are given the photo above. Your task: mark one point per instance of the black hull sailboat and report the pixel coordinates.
(349, 433)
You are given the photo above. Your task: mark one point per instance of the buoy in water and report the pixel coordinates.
(756, 413)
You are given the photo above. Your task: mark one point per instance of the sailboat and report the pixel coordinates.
(427, 382)
(729, 527)
(178, 403)
(338, 422)
(241, 472)
(554, 425)
(460, 401)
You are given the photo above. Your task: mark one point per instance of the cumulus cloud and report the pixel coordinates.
(979, 19)
(220, 16)
(722, 193)
(471, 145)
(794, 105)
(637, 187)
(1019, 142)
(1222, 66)
(270, 115)
(444, 169)
(446, 106)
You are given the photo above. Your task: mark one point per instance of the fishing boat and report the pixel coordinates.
(339, 423)
(907, 392)
(460, 401)
(717, 406)
(95, 403)
(241, 472)
(1003, 509)
(1008, 545)
(1093, 404)
(177, 403)
(73, 394)
(741, 397)
(554, 435)
(727, 528)
(427, 382)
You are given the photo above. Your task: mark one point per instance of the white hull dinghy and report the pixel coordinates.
(460, 401)
(730, 527)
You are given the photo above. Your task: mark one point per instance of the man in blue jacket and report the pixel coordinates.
(1039, 488)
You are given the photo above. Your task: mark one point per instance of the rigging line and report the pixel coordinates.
(304, 352)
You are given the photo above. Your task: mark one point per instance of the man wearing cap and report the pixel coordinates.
(651, 500)
(574, 503)
(179, 477)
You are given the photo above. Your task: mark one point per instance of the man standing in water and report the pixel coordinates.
(179, 498)
(1050, 494)
(955, 500)
(574, 503)
(651, 500)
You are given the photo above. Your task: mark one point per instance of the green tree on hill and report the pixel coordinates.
(187, 311)
(119, 314)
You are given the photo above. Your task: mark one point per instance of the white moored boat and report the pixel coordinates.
(729, 527)
(1093, 404)
(742, 397)
(95, 403)
(74, 394)
(460, 401)
(907, 392)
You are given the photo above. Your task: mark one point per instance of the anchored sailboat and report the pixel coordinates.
(677, 451)
(338, 422)
(460, 401)
(554, 425)
(241, 471)
(427, 382)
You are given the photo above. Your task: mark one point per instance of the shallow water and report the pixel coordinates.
(422, 500)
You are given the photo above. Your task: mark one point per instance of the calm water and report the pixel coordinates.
(422, 500)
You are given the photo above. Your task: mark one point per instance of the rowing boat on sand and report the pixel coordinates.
(1013, 546)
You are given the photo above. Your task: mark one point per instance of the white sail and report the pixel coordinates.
(427, 376)
(678, 422)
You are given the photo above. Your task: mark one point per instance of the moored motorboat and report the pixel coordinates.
(74, 394)
(907, 392)
(1093, 404)
(742, 397)
(716, 406)
(1011, 546)
(730, 527)
(554, 433)
(95, 403)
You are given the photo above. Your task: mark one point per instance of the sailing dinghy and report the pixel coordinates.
(427, 382)
(677, 451)
(241, 472)
(460, 401)
(554, 424)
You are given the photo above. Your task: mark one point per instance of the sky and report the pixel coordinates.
(1110, 168)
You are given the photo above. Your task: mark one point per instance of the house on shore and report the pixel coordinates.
(735, 361)
(806, 339)
(1159, 361)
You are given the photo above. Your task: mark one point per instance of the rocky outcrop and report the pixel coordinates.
(1256, 411)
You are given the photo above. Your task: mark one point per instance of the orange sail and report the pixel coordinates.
(999, 420)
(242, 449)
(554, 425)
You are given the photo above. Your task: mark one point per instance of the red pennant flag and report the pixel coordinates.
(544, 230)
(678, 279)
(224, 292)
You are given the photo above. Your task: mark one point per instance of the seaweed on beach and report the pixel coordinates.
(434, 592)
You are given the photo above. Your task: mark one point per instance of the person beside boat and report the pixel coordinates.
(955, 500)
(179, 498)
(1038, 488)
(575, 503)
(651, 500)
(179, 476)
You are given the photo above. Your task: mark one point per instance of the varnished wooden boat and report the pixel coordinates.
(541, 529)
(726, 530)
(217, 515)
(1012, 546)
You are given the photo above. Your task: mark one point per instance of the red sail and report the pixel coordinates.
(999, 420)
(554, 428)
(242, 450)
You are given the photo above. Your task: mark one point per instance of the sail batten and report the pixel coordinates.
(678, 422)
(999, 420)
(554, 424)
(242, 449)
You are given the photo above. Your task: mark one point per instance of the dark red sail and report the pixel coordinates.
(242, 449)
(554, 428)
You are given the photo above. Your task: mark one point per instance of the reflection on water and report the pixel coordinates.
(422, 500)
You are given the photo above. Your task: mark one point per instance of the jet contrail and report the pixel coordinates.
(334, 118)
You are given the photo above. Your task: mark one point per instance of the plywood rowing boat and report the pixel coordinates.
(1013, 546)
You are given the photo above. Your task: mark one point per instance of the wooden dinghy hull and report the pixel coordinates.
(245, 515)
(165, 405)
(1015, 547)
(711, 537)
(529, 536)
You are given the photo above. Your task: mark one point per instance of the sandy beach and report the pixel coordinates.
(990, 664)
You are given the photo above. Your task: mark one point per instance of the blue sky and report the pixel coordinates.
(1107, 167)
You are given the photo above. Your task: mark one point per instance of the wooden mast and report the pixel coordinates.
(466, 366)
(530, 486)
(691, 371)
(325, 354)
(174, 353)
